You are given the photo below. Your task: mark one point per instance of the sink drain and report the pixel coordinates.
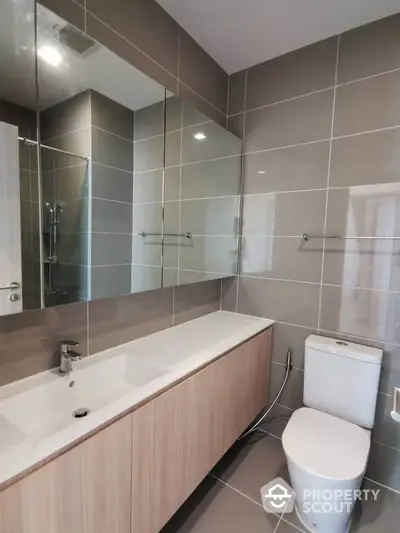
(81, 413)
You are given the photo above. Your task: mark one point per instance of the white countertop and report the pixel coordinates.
(36, 418)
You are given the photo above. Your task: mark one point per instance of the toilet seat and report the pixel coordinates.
(326, 446)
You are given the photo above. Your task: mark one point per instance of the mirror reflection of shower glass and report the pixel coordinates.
(87, 123)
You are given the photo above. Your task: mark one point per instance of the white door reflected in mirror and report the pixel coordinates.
(10, 222)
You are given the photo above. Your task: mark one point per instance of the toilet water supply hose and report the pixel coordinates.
(256, 425)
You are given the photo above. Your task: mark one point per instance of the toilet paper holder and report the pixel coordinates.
(395, 413)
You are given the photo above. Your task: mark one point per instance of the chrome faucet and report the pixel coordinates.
(68, 356)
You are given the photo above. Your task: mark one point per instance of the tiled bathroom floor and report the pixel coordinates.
(228, 500)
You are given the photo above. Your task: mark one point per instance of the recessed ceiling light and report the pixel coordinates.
(51, 55)
(261, 172)
(199, 136)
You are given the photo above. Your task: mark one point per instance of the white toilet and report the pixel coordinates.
(327, 442)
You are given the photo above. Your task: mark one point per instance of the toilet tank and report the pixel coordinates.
(342, 379)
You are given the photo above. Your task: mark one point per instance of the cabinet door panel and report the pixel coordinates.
(86, 490)
(179, 436)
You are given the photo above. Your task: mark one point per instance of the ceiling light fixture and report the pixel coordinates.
(199, 136)
(51, 55)
(261, 172)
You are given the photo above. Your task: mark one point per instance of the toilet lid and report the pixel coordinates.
(325, 445)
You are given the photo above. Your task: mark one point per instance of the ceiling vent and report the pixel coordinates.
(76, 41)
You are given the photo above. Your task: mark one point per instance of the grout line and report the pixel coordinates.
(382, 485)
(84, 15)
(130, 141)
(330, 87)
(236, 490)
(189, 163)
(90, 205)
(173, 305)
(318, 91)
(316, 283)
(60, 135)
(327, 183)
(267, 433)
(133, 200)
(178, 73)
(241, 198)
(334, 138)
(200, 198)
(340, 333)
(116, 168)
(111, 200)
(227, 102)
(202, 98)
(386, 445)
(384, 291)
(180, 193)
(178, 80)
(284, 364)
(368, 77)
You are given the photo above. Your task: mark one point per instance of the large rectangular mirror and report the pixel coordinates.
(110, 184)
(202, 196)
(110, 116)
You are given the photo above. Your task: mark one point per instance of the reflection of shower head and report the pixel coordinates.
(53, 208)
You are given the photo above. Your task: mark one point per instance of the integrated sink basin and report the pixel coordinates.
(49, 402)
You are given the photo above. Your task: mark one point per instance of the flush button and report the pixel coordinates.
(341, 343)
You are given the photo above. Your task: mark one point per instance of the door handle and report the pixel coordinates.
(11, 287)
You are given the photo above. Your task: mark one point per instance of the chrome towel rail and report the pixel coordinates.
(188, 235)
(307, 237)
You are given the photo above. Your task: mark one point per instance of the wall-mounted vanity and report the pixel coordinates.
(113, 184)
(162, 411)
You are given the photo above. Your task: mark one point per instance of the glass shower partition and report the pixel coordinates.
(65, 185)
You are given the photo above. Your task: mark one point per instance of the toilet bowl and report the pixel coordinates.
(326, 458)
(327, 442)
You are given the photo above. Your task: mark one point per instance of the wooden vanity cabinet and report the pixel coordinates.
(134, 475)
(179, 436)
(86, 490)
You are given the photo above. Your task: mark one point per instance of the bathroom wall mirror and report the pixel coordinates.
(103, 186)
(202, 196)
(109, 184)
(18, 161)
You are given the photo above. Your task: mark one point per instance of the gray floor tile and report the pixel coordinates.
(381, 516)
(250, 465)
(216, 508)
(286, 527)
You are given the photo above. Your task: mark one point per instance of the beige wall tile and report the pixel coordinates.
(237, 87)
(368, 105)
(193, 301)
(303, 71)
(281, 258)
(297, 121)
(118, 320)
(361, 312)
(366, 159)
(287, 169)
(286, 336)
(286, 301)
(370, 49)
(284, 215)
